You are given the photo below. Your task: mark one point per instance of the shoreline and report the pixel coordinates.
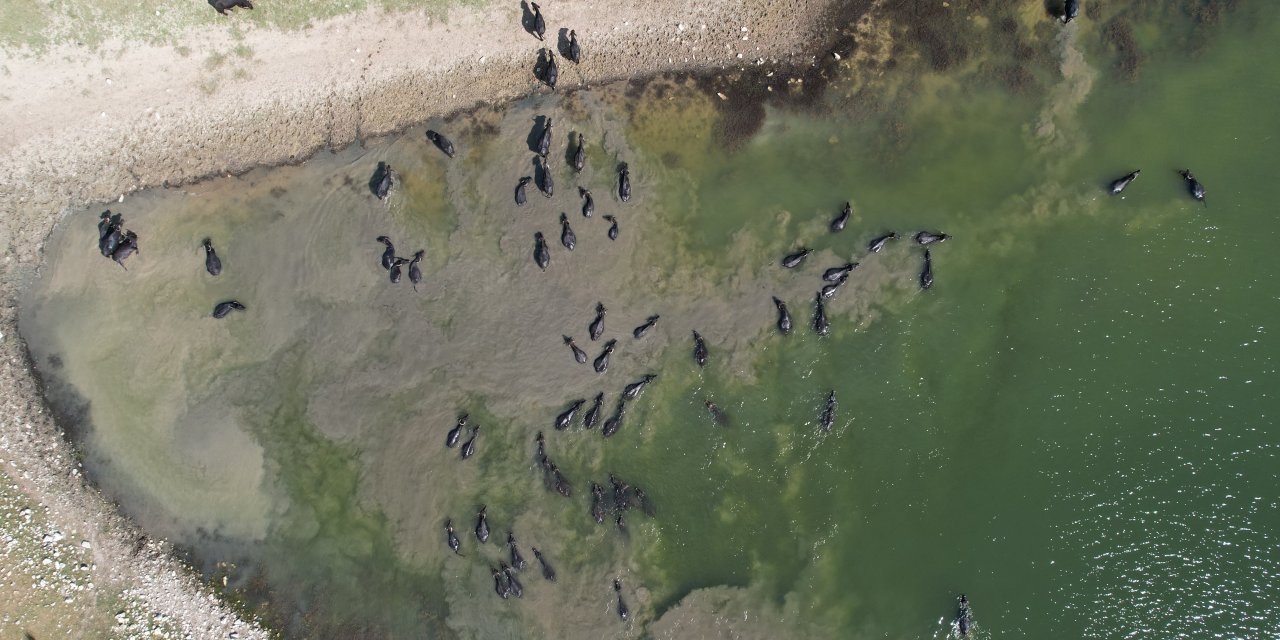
(80, 128)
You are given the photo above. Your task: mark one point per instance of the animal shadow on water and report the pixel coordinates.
(1055, 8)
(376, 179)
(571, 148)
(535, 134)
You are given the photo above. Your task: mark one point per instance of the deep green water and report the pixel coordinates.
(1072, 426)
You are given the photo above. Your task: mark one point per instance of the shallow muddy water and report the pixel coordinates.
(1071, 426)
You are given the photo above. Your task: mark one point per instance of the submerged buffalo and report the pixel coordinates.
(588, 204)
(596, 328)
(926, 274)
(441, 142)
(382, 181)
(521, 197)
(784, 316)
(641, 330)
(592, 416)
(877, 244)
(699, 349)
(1193, 186)
(212, 263)
(451, 439)
(222, 309)
(580, 157)
(1119, 184)
(541, 255)
(578, 353)
(838, 224)
(567, 237)
(624, 182)
(613, 226)
(793, 260)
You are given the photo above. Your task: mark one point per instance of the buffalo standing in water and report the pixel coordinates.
(829, 412)
(456, 432)
(624, 183)
(1119, 184)
(127, 247)
(551, 74)
(110, 232)
(389, 255)
(544, 141)
(878, 243)
(784, 316)
(540, 253)
(441, 142)
(539, 24)
(838, 224)
(547, 571)
(521, 198)
(566, 417)
(622, 606)
(578, 354)
(415, 272)
(926, 274)
(382, 180)
(575, 51)
(482, 525)
(580, 158)
(222, 6)
(212, 263)
(639, 331)
(820, 324)
(596, 328)
(567, 236)
(588, 204)
(222, 309)
(613, 226)
(601, 363)
(699, 349)
(592, 416)
(395, 269)
(1193, 186)
(546, 185)
(451, 537)
(792, 261)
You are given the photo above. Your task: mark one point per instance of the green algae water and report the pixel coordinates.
(1072, 426)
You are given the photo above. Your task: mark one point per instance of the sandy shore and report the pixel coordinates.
(80, 126)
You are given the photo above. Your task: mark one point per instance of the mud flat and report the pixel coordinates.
(85, 124)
